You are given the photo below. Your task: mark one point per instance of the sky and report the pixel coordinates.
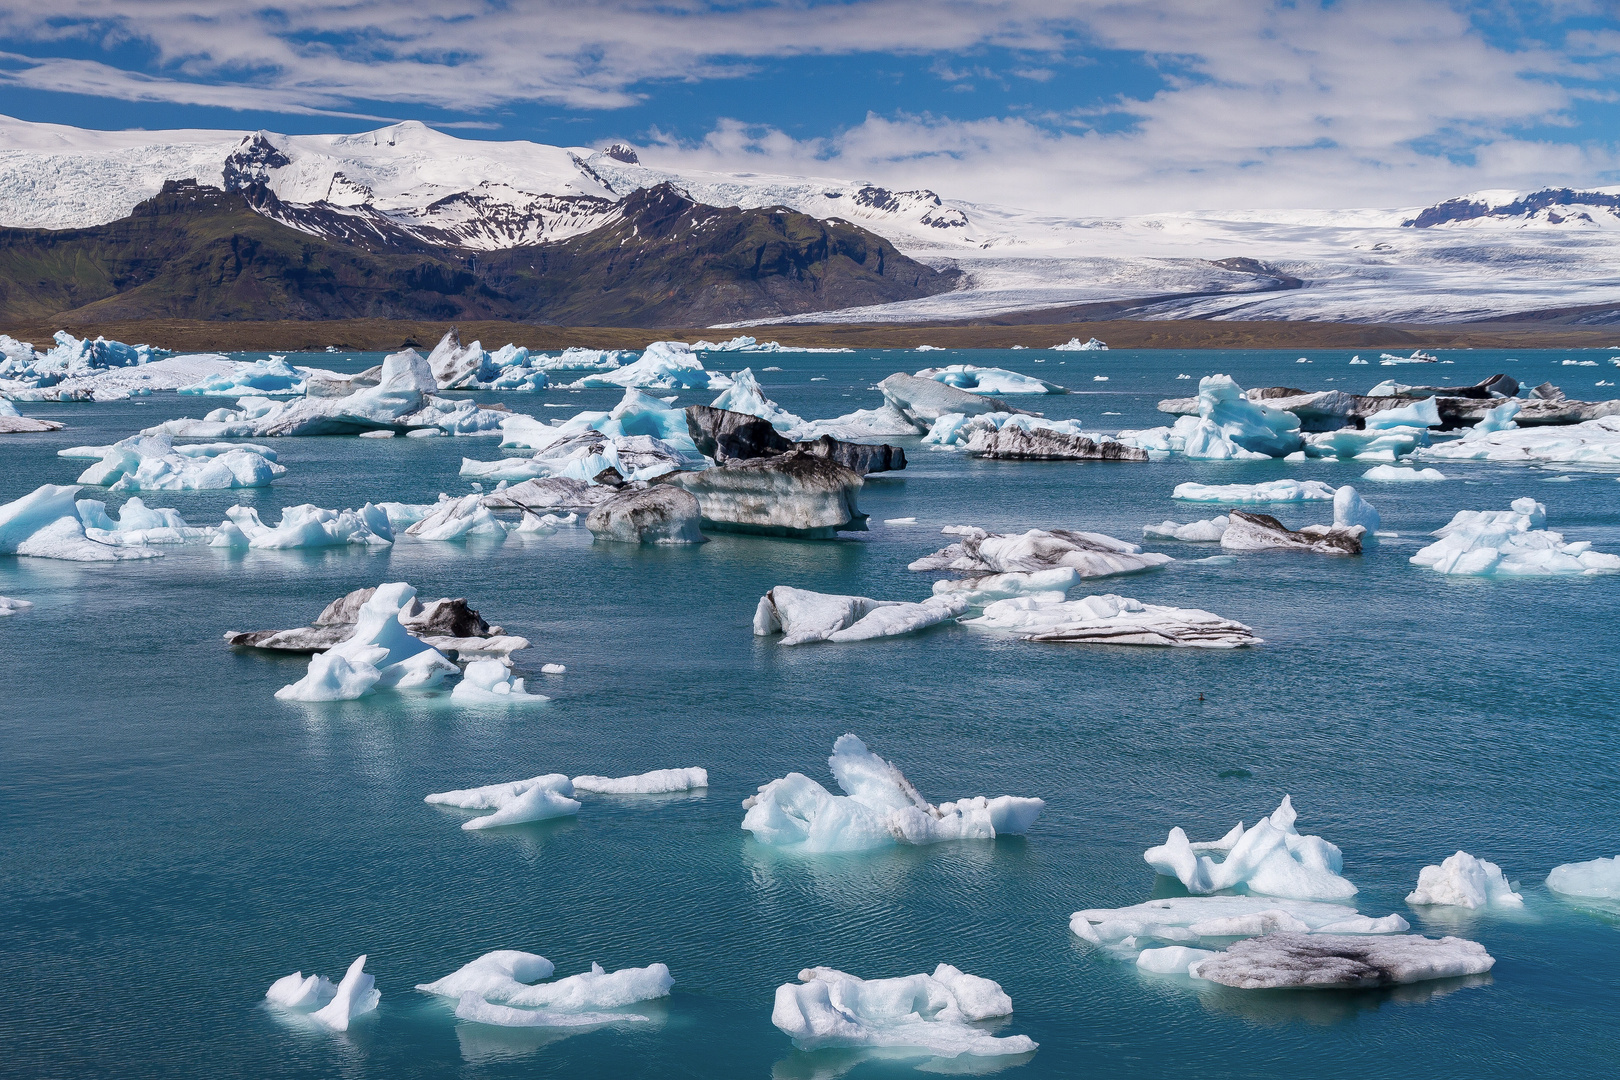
(1083, 107)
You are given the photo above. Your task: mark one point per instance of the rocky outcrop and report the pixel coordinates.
(1017, 443)
(1262, 532)
(725, 435)
(449, 625)
(792, 494)
(663, 514)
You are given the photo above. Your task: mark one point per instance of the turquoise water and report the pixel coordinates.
(177, 838)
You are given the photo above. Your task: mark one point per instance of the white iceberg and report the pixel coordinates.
(880, 807)
(1598, 879)
(1228, 426)
(46, 524)
(1461, 880)
(1271, 491)
(1074, 344)
(972, 432)
(536, 799)
(1424, 413)
(745, 396)
(1210, 921)
(1112, 620)
(883, 422)
(1206, 531)
(933, 1014)
(1389, 474)
(258, 378)
(989, 380)
(455, 519)
(657, 782)
(490, 682)
(305, 526)
(1510, 543)
(1351, 510)
(380, 653)
(137, 524)
(1310, 960)
(154, 463)
(982, 590)
(1591, 442)
(663, 365)
(1271, 859)
(803, 616)
(332, 1006)
(1369, 444)
(1090, 554)
(512, 978)
(10, 606)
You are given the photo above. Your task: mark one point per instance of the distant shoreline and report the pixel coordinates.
(379, 335)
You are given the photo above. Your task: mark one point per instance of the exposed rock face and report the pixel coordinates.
(663, 514)
(791, 494)
(449, 625)
(725, 436)
(548, 493)
(922, 401)
(1262, 532)
(1015, 443)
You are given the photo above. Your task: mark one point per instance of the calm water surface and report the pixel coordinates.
(177, 838)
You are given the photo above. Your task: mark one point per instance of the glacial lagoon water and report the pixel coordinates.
(176, 838)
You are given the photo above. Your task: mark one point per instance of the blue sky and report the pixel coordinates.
(1078, 106)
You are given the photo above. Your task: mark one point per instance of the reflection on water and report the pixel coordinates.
(1323, 1007)
(489, 1042)
(882, 1060)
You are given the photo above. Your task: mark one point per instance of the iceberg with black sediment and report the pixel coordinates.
(1510, 543)
(802, 616)
(1461, 880)
(879, 807)
(937, 1015)
(1278, 961)
(1208, 921)
(1112, 620)
(1271, 859)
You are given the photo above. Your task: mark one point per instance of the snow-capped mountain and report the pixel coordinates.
(1483, 255)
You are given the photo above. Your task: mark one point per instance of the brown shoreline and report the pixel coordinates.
(388, 334)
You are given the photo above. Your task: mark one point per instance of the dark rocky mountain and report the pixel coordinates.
(1558, 204)
(195, 252)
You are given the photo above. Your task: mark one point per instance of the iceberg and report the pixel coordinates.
(70, 358)
(1020, 437)
(154, 463)
(932, 1014)
(46, 524)
(726, 436)
(504, 988)
(663, 365)
(9, 606)
(449, 625)
(922, 401)
(1370, 444)
(1206, 921)
(1591, 442)
(656, 515)
(883, 422)
(1424, 413)
(536, 799)
(880, 807)
(1598, 879)
(1345, 962)
(455, 519)
(305, 526)
(657, 782)
(1271, 859)
(258, 378)
(989, 380)
(380, 653)
(137, 524)
(982, 590)
(1090, 554)
(1262, 532)
(1207, 531)
(1228, 426)
(490, 682)
(1074, 344)
(803, 616)
(1389, 474)
(793, 494)
(331, 1006)
(745, 396)
(491, 975)
(1464, 881)
(1112, 620)
(1510, 543)
(1272, 491)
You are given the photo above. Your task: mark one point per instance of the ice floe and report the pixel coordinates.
(10, 606)
(1510, 543)
(331, 1006)
(1461, 880)
(537, 799)
(455, 519)
(1090, 554)
(663, 514)
(46, 524)
(1020, 437)
(1593, 442)
(155, 463)
(1271, 859)
(1206, 531)
(657, 782)
(490, 682)
(880, 807)
(920, 402)
(448, 624)
(1074, 344)
(803, 616)
(1210, 921)
(504, 988)
(1391, 474)
(1271, 491)
(259, 378)
(937, 1015)
(1112, 620)
(1597, 879)
(1326, 960)
(1051, 584)
(989, 380)
(137, 524)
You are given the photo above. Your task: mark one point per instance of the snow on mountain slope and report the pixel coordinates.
(1485, 254)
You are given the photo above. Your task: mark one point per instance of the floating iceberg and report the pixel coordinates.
(657, 782)
(658, 515)
(745, 396)
(536, 799)
(154, 463)
(455, 519)
(503, 988)
(663, 365)
(305, 526)
(933, 1014)
(379, 653)
(1510, 543)
(982, 590)
(922, 401)
(1272, 491)
(447, 624)
(880, 807)
(1228, 426)
(883, 422)
(1261, 532)
(137, 524)
(1389, 474)
(1271, 859)
(1419, 414)
(1310, 960)
(1591, 442)
(1207, 531)
(9, 606)
(1598, 879)
(1019, 437)
(46, 524)
(70, 358)
(792, 494)
(332, 1006)
(1112, 620)
(1090, 554)
(1074, 344)
(259, 378)
(1208, 921)
(802, 616)
(1370, 444)
(490, 682)
(641, 438)
(989, 380)
(1464, 881)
